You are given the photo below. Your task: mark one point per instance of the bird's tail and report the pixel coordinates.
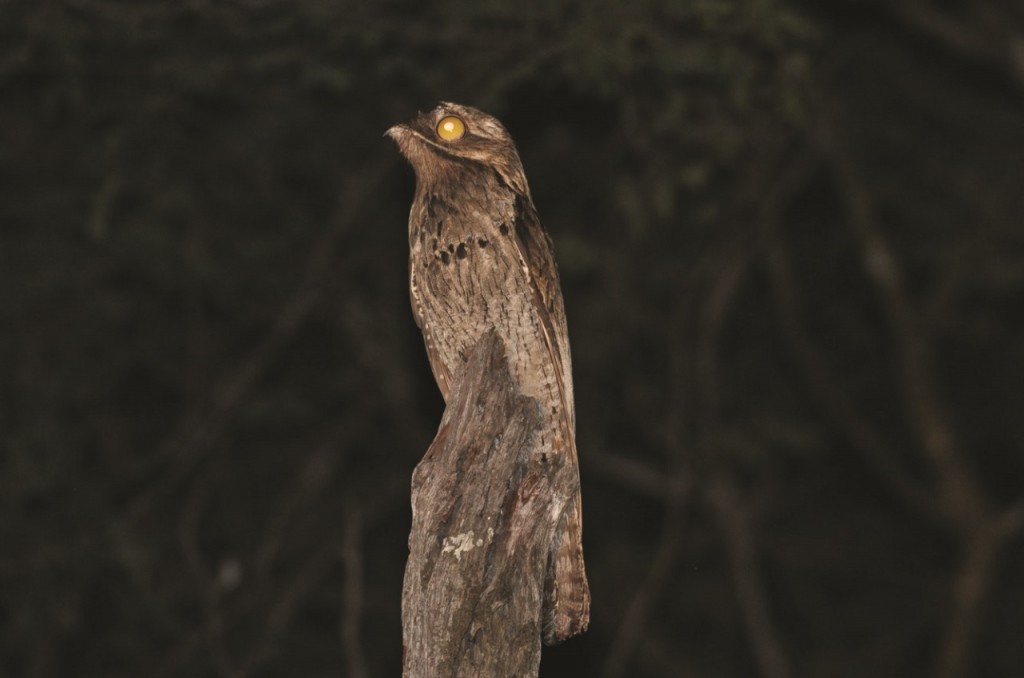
(567, 595)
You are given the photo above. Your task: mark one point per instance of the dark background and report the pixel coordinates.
(791, 239)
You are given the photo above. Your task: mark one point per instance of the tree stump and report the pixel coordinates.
(485, 509)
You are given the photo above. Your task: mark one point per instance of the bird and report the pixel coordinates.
(480, 261)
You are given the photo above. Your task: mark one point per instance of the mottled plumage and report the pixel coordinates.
(480, 260)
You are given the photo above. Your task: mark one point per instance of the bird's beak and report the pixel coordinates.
(396, 131)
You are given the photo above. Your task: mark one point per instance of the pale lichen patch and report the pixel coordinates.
(461, 543)
(465, 542)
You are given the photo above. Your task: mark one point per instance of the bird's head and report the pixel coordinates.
(453, 134)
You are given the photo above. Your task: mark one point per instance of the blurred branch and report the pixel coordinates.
(721, 493)
(981, 31)
(727, 272)
(634, 625)
(287, 604)
(751, 594)
(307, 486)
(632, 474)
(972, 584)
(982, 532)
(206, 422)
(677, 487)
(278, 605)
(281, 611)
(824, 383)
(189, 528)
(960, 496)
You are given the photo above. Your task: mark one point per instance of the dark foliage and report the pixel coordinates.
(792, 252)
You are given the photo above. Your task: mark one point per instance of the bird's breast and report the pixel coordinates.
(468, 279)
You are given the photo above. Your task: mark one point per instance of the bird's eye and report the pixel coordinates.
(451, 128)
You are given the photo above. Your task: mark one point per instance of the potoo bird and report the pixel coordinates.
(479, 261)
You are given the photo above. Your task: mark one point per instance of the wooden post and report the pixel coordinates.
(485, 509)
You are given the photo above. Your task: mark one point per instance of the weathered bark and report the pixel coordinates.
(486, 506)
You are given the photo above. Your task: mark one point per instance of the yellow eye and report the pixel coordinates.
(450, 128)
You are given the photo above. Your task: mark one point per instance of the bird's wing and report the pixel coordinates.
(567, 606)
(537, 257)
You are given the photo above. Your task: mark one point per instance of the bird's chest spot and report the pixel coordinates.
(467, 277)
(466, 283)
(462, 254)
(460, 275)
(437, 249)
